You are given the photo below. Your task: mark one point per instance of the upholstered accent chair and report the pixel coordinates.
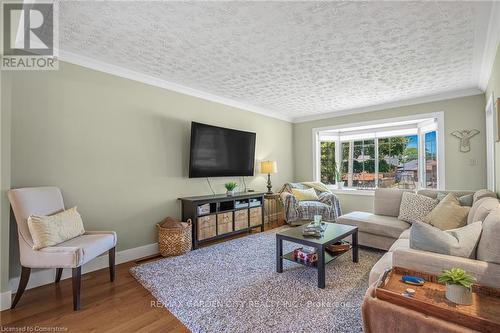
(328, 206)
(69, 254)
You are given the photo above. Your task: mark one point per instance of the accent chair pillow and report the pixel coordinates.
(305, 195)
(414, 207)
(459, 242)
(448, 214)
(54, 229)
(318, 186)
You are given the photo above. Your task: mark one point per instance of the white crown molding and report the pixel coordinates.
(150, 80)
(101, 66)
(405, 102)
(46, 276)
(492, 40)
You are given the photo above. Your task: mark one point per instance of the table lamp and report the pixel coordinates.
(268, 167)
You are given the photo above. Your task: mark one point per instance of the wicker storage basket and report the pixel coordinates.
(174, 238)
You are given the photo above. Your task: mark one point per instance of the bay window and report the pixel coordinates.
(399, 154)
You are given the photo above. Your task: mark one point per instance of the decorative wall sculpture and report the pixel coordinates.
(465, 136)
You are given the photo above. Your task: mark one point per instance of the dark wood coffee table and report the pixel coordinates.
(334, 232)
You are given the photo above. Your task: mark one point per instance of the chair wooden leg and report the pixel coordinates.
(23, 282)
(77, 280)
(112, 264)
(58, 274)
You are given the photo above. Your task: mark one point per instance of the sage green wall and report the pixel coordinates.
(119, 149)
(5, 101)
(459, 113)
(494, 87)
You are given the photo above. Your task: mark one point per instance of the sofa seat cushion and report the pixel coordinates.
(400, 244)
(380, 267)
(80, 250)
(375, 224)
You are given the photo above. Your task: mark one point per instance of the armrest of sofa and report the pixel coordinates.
(486, 273)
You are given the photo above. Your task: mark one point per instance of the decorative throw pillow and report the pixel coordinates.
(488, 248)
(414, 207)
(318, 186)
(459, 242)
(54, 229)
(448, 214)
(305, 195)
(464, 200)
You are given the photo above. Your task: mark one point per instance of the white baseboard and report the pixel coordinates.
(5, 299)
(40, 277)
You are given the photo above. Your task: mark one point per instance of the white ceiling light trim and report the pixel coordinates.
(104, 67)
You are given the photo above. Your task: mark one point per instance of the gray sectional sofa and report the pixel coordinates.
(383, 230)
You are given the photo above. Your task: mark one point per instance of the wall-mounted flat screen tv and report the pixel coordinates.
(220, 152)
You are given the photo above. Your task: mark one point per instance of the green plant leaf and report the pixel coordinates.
(456, 276)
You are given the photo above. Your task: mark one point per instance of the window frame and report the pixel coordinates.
(423, 128)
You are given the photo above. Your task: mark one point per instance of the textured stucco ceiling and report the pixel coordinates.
(295, 58)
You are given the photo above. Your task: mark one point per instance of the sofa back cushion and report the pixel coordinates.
(478, 195)
(387, 201)
(488, 248)
(481, 208)
(434, 193)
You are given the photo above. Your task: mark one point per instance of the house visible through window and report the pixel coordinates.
(390, 155)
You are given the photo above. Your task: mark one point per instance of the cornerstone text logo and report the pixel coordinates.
(29, 36)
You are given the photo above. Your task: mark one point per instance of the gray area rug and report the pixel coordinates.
(233, 287)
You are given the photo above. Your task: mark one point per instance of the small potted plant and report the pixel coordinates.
(230, 188)
(458, 285)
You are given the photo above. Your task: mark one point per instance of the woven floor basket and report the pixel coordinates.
(174, 241)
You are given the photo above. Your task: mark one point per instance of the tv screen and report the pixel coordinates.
(220, 152)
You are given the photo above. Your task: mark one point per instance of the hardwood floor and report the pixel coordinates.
(119, 306)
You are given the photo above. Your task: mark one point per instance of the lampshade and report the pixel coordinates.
(268, 167)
